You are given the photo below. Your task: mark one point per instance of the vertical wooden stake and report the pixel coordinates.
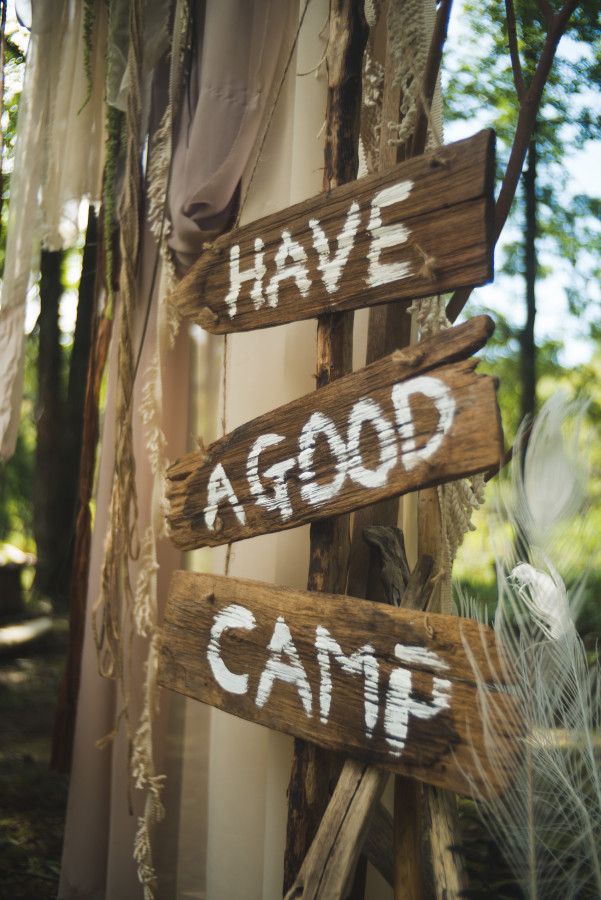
(328, 564)
(441, 807)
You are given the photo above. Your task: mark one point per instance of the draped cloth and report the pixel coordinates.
(59, 157)
(226, 780)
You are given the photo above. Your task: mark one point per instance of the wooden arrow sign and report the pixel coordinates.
(424, 227)
(416, 418)
(387, 685)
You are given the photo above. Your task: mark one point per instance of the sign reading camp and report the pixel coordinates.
(422, 228)
(389, 685)
(419, 417)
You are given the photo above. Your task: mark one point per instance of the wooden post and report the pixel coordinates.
(328, 564)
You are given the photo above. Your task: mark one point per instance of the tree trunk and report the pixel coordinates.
(60, 421)
(49, 519)
(527, 344)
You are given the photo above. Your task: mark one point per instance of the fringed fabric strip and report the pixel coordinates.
(151, 413)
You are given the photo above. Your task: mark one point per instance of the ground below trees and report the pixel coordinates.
(32, 798)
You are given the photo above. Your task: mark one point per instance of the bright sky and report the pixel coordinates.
(505, 294)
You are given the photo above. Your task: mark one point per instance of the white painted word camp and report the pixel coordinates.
(284, 664)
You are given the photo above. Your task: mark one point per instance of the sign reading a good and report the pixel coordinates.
(418, 417)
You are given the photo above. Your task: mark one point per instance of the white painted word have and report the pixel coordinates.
(284, 664)
(348, 462)
(291, 259)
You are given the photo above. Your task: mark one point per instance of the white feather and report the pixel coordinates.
(549, 479)
(548, 824)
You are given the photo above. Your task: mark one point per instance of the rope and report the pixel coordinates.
(412, 15)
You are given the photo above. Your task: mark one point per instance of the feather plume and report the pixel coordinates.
(548, 824)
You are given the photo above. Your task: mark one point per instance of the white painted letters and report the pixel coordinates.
(280, 499)
(445, 406)
(331, 269)
(386, 236)
(362, 661)
(331, 265)
(369, 411)
(346, 455)
(237, 278)
(220, 488)
(311, 491)
(399, 702)
(297, 270)
(292, 672)
(233, 616)
(284, 663)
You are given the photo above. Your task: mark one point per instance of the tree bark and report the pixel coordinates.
(50, 521)
(60, 421)
(527, 341)
(66, 707)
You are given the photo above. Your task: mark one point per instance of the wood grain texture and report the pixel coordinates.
(444, 747)
(214, 499)
(328, 867)
(448, 865)
(447, 214)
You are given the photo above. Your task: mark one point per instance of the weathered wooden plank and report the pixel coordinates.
(412, 419)
(389, 686)
(330, 863)
(421, 228)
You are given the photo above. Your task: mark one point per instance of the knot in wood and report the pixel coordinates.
(204, 456)
(428, 267)
(439, 158)
(206, 317)
(410, 357)
(429, 627)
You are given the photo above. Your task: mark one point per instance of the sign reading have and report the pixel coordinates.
(422, 228)
(377, 682)
(418, 417)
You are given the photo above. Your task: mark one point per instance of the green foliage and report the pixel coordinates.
(88, 28)
(115, 125)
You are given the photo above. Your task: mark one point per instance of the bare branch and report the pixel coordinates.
(430, 77)
(547, 11)
(516, 66)
(523, 134)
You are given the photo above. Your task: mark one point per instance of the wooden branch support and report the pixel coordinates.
(442, 822)
(378, 844)
(328, 867)
(328, 563)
